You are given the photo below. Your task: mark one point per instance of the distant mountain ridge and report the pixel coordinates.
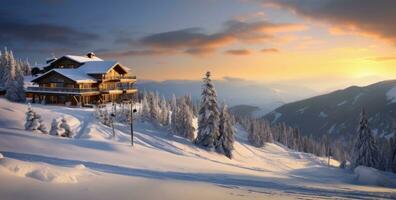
(233, 91)
(337, 113)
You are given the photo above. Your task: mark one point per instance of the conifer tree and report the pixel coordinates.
(185, 120)
(164, 112)
(2, 70)
(365, 150)
(11, 78)
(145, 110)
(393, 155)
(154, 107)
(225, 143)
(174, 110)
(208, 120)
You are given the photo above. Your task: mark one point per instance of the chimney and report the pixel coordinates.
(90, 55)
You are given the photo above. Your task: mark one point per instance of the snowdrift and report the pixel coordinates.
(370, 176)
(44, 172)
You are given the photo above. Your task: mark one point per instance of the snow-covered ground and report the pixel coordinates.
(93, 165)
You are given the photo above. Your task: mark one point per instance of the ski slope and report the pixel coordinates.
(93, 165)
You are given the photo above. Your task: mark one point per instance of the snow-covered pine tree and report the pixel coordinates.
(225, 143)
(35, 122)
(30, 115)
(9, 76)
(253, 136)
(26, 68)
(393, 155)
(56, 129)
(41, 126)
(268, 132)
(365, 150)
(186, 128)
(208, 119)
(145, 110)
(175, 121)
(13, 79)
(154, 113)
(19, 81)
(173, 117)
(2, 70)
(5, 68)
(164, 107)
(68, 131)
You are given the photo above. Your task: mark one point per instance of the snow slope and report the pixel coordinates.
(93, 165)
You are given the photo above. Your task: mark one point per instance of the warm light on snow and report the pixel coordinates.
(93, 161)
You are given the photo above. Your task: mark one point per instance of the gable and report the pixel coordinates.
(102, 67)
(62, 62)
(59, 76)
(121, 70)
(53, 77)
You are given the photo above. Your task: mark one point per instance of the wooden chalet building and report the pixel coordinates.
(80, 80)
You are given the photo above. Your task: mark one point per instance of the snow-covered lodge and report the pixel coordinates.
(80, 80)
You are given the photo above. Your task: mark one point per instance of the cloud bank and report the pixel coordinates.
(367, 17)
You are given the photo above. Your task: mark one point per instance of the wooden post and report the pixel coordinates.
(329, 154)
(131, 123)
(75, 98)
(112, 124)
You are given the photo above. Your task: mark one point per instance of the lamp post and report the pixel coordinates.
(132, 111)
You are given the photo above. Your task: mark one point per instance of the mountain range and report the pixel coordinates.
(337, 113)
(233, 91)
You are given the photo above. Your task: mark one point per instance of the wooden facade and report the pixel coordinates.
(78, 87)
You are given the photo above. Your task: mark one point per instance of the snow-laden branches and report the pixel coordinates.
(11, 76)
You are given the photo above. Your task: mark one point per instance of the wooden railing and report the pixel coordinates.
(118, 88)
(118, 77)
(62, 90)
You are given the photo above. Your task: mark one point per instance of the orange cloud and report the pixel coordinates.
(364, 17)
(127, 53)
(238, 52)
(270, 50)
(196, 41)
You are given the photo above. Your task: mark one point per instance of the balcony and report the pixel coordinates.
(118, 77)
(59, 90)
(118, 90)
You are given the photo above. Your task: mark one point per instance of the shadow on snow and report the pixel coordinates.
(224, 180)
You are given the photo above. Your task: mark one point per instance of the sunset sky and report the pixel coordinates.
(319, 44)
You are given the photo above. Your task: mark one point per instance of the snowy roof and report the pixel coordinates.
(76, 75)
(73, 74)
(40, 66)
(97, 67)
(83, 59)
(93, 65)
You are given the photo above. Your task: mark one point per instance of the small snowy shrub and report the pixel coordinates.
(68, 131)
(41, 126)
(56, 129)
(29, 118)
